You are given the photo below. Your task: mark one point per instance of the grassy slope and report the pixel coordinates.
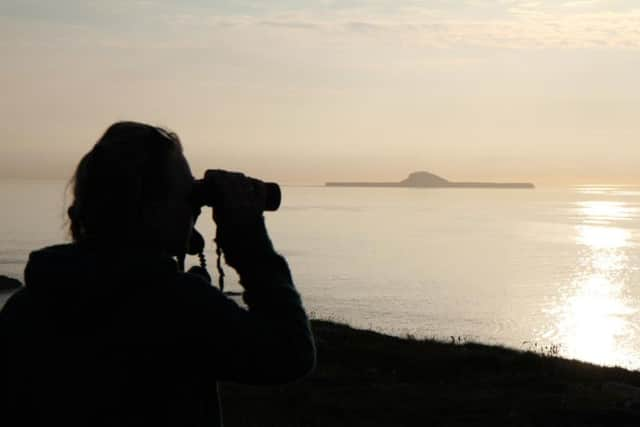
(365, 378)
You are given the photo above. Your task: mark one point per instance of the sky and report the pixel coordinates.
(303, 92)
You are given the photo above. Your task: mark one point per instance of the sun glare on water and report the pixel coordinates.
(593, 315)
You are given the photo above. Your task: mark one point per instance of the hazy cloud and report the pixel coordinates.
(522, 24)
(289, 24)
(363, 27)
(529, 25)
(580, 3)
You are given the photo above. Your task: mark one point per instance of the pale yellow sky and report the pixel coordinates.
(304, 92)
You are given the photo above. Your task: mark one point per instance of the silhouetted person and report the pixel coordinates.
(109, 332)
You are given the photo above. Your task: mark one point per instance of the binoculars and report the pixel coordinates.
(207, 191)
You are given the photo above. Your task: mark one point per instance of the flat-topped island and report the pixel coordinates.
(429, 180)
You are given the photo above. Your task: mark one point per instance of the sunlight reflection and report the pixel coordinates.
(605, 211)
(592, 318)
(603, 237)
(594, 189)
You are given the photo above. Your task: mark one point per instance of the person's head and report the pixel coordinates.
(131, 191)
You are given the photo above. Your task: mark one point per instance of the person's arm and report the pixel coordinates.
(271, 342)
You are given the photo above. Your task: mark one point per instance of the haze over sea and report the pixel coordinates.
(522, 268)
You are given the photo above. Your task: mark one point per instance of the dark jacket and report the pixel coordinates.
(102, 338)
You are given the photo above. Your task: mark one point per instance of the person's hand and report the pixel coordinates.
(238, 198)
(241, 232)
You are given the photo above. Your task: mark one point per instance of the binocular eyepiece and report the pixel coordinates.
(208, 191)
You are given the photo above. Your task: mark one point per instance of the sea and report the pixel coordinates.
(555, 270)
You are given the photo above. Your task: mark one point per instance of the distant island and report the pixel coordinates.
(428, 180)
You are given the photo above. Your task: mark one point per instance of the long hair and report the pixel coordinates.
(125, 172)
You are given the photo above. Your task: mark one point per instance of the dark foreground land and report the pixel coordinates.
(365, 378)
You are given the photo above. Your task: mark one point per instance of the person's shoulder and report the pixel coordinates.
(196, 285)
(58, 249)
(196, 298)
(190, 279)
(17, 303)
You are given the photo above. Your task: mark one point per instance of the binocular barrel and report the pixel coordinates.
(206, 191)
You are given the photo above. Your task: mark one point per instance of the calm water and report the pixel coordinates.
(515, 267)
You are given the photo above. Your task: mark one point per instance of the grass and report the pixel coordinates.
(364, 378)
